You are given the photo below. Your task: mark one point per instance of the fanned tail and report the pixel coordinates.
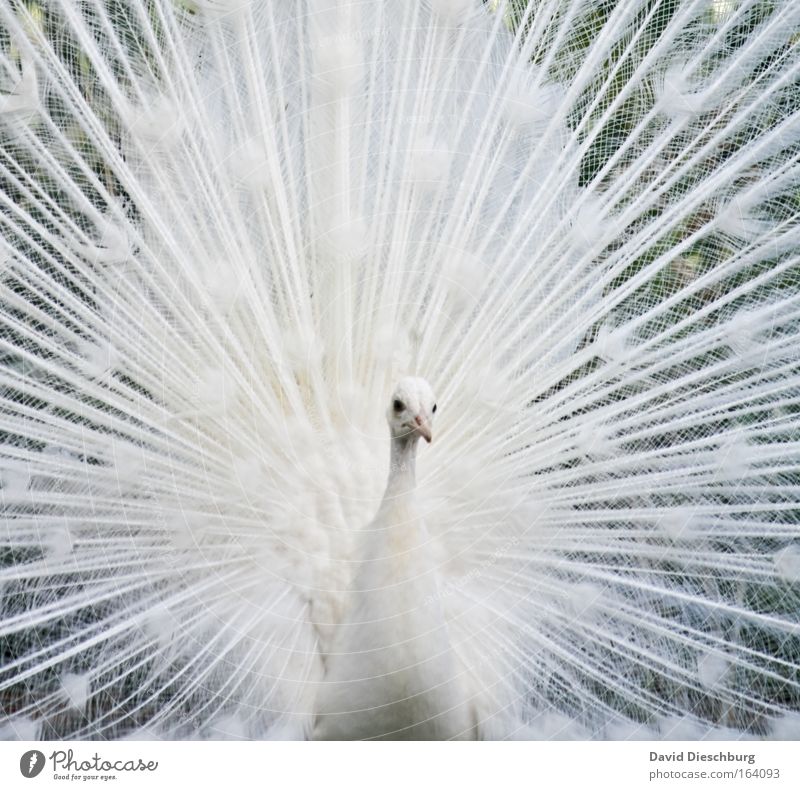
(227, 228)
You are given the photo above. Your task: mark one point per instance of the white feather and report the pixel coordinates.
(230, 226)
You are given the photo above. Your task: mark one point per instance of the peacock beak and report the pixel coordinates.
(423, 428)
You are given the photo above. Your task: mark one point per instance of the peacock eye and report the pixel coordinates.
(434, 408)
(398, 405)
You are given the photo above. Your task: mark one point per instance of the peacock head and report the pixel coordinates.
(411, 409)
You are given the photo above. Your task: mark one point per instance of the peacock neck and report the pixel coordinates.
(402, 467)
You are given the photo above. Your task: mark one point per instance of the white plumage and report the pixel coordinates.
(390, 669)
(230, 227)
